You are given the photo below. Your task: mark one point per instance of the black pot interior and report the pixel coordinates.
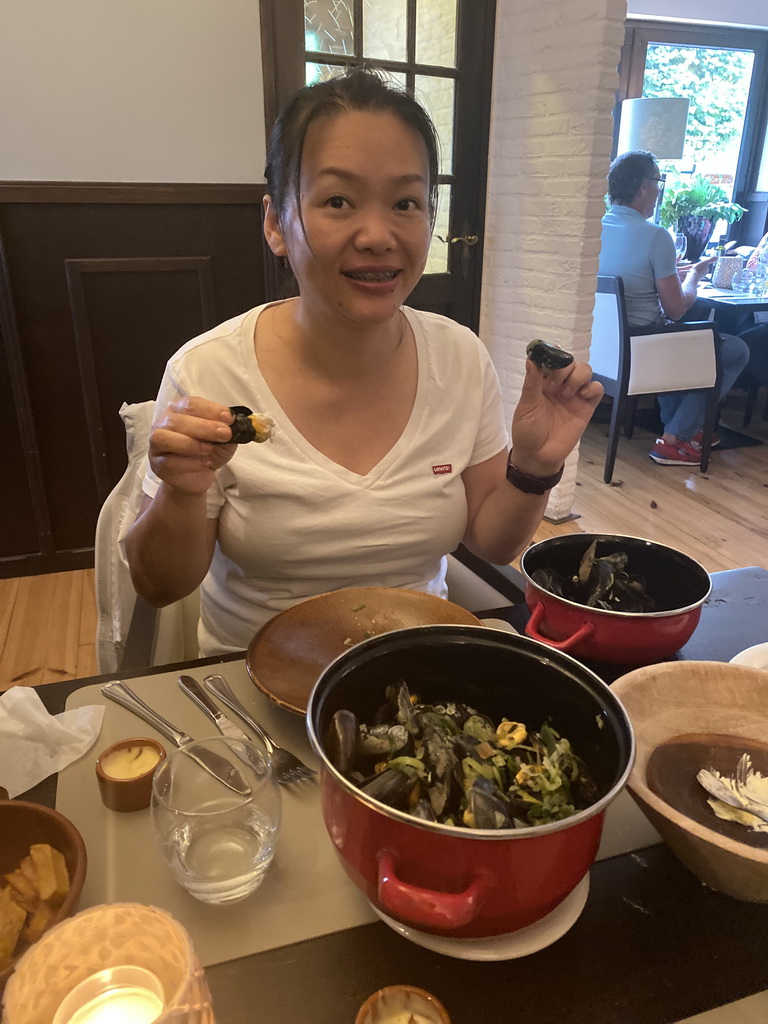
(499, 674)
(671, 578)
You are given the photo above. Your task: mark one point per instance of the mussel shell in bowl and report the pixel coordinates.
(677, 585)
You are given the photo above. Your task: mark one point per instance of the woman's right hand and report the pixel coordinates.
(185, 448)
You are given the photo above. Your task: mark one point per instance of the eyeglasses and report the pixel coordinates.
(661, 177)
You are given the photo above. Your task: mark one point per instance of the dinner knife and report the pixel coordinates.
(216, 765)
(193, 689)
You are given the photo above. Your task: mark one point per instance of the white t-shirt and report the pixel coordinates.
(293, 523)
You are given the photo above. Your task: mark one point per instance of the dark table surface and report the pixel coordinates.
(652, 946)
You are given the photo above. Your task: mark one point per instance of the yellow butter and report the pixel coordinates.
(130, 762)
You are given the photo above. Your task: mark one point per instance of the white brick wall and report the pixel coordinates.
(555, 75)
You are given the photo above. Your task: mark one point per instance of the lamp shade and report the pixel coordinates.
(657, 125)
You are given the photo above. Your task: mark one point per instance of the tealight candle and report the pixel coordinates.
(117, 995)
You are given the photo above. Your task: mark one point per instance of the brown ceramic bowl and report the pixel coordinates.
(127, 794)
(719, 709)
(287, 655)
(384, 1004)
(24, 824)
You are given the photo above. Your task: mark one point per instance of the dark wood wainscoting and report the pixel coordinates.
(99, 285)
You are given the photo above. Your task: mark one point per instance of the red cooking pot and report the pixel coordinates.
(676, 582)
(468, 883)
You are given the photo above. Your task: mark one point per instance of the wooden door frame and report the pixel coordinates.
(283, 63)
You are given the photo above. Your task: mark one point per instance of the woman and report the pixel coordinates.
(390, 446)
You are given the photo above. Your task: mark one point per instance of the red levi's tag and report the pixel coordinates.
(440, 470)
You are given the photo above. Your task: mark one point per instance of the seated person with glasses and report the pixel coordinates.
(643, 255)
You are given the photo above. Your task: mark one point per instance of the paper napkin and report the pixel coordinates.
(34, 744)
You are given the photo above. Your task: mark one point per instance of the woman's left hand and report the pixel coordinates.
(553, 410)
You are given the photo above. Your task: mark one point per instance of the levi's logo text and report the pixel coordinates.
(440, 470)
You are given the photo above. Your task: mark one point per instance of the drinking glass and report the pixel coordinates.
(741, 281)
(681, 244)
(216, 810)
(759, 275)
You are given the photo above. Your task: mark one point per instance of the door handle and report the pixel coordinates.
(466, 239)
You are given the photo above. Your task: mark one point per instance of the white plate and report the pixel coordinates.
(756, 656)
(502, 947)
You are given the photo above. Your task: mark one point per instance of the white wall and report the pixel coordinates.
(555, 77)
(131, 90)
(735, 12)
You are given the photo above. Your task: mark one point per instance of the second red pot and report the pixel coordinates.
(678, 584)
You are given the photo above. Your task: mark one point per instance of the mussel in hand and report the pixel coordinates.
(250, 426)
(548, 357)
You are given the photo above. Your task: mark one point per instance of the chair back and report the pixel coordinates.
(129, 633)
(608, 329)
(680, 360)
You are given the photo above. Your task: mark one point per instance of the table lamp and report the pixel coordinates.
(121, 961)
(656, 124)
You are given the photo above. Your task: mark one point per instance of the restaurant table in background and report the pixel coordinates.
(733, 311)
(652, 946)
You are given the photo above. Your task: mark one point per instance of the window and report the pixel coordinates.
(723, 72)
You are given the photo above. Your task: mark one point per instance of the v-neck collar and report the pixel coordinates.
(273, 407)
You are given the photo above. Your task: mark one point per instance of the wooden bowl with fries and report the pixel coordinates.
(42, 871)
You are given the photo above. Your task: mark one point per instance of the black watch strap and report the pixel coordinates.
(532, 484)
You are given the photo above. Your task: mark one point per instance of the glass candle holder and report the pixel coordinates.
(111, 936)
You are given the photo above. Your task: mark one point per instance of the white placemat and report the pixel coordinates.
(305, 893)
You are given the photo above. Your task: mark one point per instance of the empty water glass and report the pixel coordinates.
(216, 810)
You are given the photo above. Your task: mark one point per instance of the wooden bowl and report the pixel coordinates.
(24, 824)
(288, 654)
(706, 703)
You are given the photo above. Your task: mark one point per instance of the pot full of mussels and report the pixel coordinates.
(465, 773)
(612, 598)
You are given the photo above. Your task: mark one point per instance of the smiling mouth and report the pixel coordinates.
(371, 275)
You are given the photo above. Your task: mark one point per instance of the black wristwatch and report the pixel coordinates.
(532, 484)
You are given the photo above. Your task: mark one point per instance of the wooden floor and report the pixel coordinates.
(48, 623)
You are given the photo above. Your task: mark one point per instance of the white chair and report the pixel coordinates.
(635, 361)
(130, 633)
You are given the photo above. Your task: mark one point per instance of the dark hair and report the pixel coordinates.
(627, 173)
(357, 89)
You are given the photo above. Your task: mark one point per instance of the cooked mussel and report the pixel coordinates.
(548, 357)
(250, 426)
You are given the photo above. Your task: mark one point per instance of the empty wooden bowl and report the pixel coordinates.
(288, 654)
(24, 824)
(723, 709)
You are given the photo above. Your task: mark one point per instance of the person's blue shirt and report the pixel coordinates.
(639, 253)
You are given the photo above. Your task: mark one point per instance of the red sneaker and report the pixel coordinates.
(682, 453)
(698, 437)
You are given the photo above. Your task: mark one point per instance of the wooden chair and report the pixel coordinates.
(630, 362)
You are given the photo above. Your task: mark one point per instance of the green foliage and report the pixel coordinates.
(697, 197)
(715, 80)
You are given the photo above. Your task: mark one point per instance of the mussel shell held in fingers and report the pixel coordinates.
(249, 426)
(548, 357)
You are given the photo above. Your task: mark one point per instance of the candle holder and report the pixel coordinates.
(109, 936)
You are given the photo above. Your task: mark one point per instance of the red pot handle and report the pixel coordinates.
(532, 629)
(425, 906)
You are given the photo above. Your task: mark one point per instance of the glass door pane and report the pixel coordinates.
(329, 26)
(418, 55)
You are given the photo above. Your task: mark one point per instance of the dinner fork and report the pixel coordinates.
(288, 767)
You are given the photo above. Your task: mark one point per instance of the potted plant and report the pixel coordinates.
(693, 206)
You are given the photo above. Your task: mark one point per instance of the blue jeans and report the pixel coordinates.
(682, 412)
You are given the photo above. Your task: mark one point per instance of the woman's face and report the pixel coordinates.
(365, 210)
